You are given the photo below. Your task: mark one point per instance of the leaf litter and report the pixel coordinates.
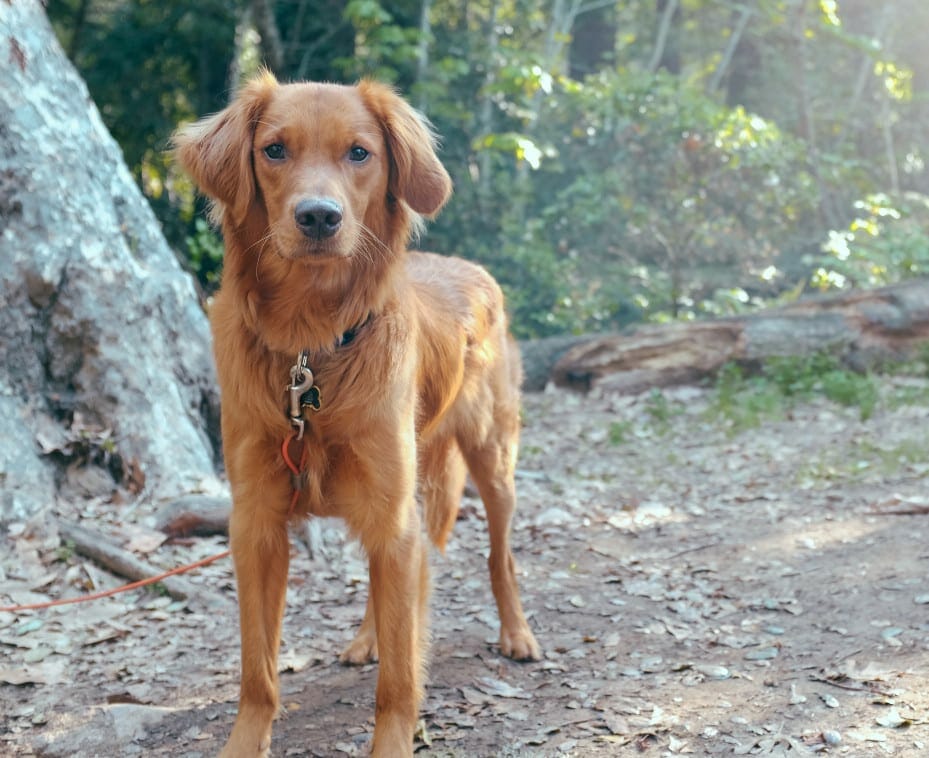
(695, 594)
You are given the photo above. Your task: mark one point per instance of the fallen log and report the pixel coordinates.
(112, 557)
(194, 516)
(862, 329)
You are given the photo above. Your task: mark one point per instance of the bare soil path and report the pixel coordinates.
(695, 592)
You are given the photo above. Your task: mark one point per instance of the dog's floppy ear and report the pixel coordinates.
(416, 175)
(217, 150)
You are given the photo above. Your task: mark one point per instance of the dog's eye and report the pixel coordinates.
(358, 154)
(275, 151)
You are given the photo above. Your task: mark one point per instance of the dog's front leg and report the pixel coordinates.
(399, 585)
(261, 552)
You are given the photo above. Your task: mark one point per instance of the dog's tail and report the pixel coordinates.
(442, 485)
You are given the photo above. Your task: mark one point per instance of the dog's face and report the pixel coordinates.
(323, 165)
(320, 162)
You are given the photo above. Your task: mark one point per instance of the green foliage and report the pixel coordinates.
(619, 432)
(744, 402)
(888, 241)
(382, 46)
(659, 409)
(601, 178)
(865, 459)
(661, 186)
(65, 551)
(205, 253)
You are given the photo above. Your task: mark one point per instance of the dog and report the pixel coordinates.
(358, 379)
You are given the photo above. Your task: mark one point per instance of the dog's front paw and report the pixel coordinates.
(520, 644)
(249, 739)
(361, 650)
(248, 748)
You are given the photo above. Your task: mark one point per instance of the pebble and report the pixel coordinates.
(713, 672)
(832, 737)
(761, 654)
(652, 665)
(37, 654)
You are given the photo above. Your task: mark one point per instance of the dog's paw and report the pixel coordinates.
(520, 645)
(361, 650)
(248, 742)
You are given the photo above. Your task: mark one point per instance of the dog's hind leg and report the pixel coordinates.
(363, 648)
(492, 467)
(441, 483)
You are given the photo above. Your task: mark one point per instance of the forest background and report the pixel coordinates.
(613, 161)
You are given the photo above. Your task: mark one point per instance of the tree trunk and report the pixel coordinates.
(266, 24)
(861, 328)
(104, 351)
(422, 50)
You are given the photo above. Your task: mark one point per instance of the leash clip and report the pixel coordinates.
(302, 393)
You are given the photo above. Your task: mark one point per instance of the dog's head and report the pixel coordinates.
(331, 169)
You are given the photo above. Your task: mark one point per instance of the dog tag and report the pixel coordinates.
(310, 398)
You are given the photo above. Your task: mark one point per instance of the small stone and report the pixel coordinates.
(762, 654)
(831, 737)
(37, 654)
(652, 664)
(713, 672)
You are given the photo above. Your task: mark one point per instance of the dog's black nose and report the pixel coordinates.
(318, 218)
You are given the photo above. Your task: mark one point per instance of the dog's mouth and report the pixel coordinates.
(309, 251)
(292, 244)
(316, 230)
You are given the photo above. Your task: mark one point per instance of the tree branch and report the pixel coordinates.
(663, 30)
(745, 15)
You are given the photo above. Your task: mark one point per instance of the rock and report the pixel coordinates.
(95, 730)
(98, 321)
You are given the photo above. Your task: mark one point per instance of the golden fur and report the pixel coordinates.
(428, 386)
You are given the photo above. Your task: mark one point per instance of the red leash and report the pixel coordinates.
(117, 590)
(303, 393)
(296, 470)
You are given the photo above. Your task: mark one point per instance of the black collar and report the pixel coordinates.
(349, 336)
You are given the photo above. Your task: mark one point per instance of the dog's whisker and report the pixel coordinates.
(262, 244)
(377, 243)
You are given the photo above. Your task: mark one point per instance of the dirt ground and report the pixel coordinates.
(695, 592)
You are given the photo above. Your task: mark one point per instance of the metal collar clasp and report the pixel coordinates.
(302, 393)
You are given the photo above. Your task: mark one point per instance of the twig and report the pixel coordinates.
(864, 687)
(909, 510)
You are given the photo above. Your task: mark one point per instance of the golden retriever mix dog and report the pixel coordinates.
(356, 376)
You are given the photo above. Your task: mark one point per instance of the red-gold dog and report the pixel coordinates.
(398, 368)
